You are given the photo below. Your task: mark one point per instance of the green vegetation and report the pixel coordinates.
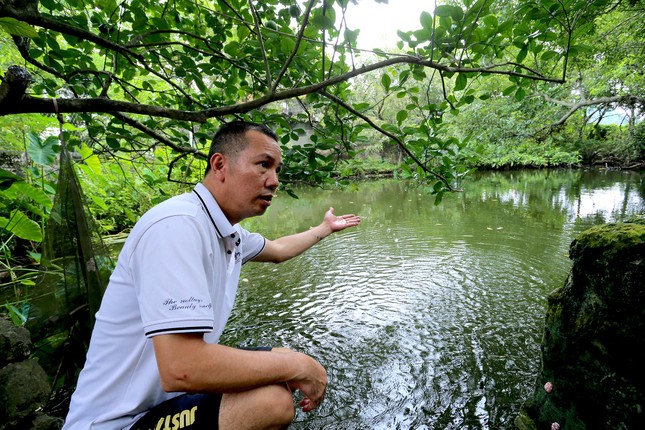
(141, 87)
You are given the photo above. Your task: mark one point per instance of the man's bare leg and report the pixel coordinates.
(269, 407)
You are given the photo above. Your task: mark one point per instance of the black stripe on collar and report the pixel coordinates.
(209, 213)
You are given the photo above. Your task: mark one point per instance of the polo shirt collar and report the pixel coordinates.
(222, 225)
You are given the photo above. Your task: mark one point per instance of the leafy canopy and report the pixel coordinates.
(138, 73)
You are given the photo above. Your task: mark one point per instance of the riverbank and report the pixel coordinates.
(370, 169)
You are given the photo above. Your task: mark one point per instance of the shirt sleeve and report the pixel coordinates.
(170, 269)
(253, 244)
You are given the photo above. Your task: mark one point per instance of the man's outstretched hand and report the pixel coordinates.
(338, 223)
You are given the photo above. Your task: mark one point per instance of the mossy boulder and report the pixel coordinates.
(24, 385)
(15, 343)
(23, 389)
(593, 347)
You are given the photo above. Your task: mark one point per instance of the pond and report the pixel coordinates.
(426, 316)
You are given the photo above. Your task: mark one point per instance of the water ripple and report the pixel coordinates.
(429, 320)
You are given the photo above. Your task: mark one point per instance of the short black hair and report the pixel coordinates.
(229, 139)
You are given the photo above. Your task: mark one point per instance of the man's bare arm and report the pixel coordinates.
(287, 247)
(188, 364)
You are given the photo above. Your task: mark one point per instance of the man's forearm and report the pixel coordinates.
(287, 247)
(187, 364)
(203, 367)
(291, 246)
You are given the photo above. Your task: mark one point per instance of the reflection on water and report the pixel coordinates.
(426, 317)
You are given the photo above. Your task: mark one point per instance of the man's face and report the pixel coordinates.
(251, 177)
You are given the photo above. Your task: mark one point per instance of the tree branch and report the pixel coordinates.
(31, 104)
(13, 87)
(625, 100)
(388, 134)
(294, 51)
(152, 133)
(35, 18)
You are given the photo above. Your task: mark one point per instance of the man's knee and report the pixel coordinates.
(265, 407)
(284, 408)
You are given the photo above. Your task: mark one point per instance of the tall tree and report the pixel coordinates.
(609, 75)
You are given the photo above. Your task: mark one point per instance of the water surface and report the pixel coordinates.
(426, 316)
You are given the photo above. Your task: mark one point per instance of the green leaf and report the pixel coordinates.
(401, 116)
(51, 4)
(461, 82)
(520, 94)
(491, 21)
(322, 22)
(548, 55)
(351, 35)
(438, 198)
(446, 10)
(18, 318)
(386, 81)
(42, 152)
(509, 90)
(580, 49)
(17, 28)
(426, 21)
(20, 225)
(403, 35)
(7, 179)
(90, 158)
(99, 201)
(21, 190)
(505, 27)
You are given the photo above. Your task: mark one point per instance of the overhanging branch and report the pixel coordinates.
(626, 100)
(29, 104)
(152, 133)
(398, 141)
(13, 87)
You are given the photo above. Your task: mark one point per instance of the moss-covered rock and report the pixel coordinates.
(593, 347)
(24, 385)
(24, 388)
(15, 343)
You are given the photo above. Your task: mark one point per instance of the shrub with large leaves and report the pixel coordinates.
(23, 205)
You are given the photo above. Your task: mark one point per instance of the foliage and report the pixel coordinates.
(122, 190)
(456, 94)
(19, 199)
(509, 131)
(364, 168)
(139, 74)
(639, 140)
(143, 85)
(24, 207)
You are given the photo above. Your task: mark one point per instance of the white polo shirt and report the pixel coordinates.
(177, 273)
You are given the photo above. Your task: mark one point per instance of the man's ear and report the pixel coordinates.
(218, 165)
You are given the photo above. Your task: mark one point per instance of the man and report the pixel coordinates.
(154, 361)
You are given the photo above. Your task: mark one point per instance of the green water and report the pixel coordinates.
(426, 317)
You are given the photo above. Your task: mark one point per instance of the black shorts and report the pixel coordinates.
(197, 410)
(193, 411)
